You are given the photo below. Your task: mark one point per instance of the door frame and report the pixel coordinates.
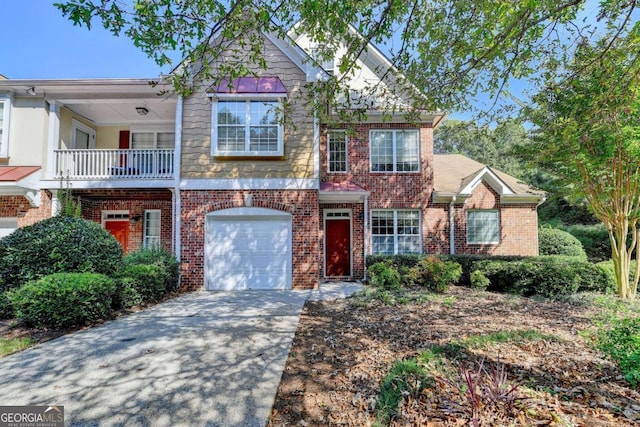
(115, 215)
(335, 214)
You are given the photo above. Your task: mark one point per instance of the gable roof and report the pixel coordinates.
(457, 175)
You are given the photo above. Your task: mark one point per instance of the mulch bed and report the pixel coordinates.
(342, 351)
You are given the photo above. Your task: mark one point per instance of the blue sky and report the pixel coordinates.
(38, 42)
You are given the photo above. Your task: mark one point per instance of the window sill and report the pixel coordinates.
(277, 157)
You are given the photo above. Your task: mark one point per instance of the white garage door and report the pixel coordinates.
(8, 226)
(247, 248)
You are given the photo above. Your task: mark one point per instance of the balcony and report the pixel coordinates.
(91, 164)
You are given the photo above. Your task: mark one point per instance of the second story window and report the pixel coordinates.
(395, 151)
(4, 127)
(337, 150)
(246, 128)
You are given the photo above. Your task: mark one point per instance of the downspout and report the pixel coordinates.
(177, 205)
(366, 235)
(452, 227)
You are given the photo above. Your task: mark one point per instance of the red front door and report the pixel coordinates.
(120, 229)
(338, 247)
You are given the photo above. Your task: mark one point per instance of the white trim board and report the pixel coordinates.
(250, 184)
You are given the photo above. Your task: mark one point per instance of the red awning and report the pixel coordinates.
(343, 186)
(16, 173)
(344, 191)
(263, 85)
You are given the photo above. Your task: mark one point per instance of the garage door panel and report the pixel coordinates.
(248, 252)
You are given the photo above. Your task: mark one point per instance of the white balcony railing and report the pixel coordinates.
(114, 164)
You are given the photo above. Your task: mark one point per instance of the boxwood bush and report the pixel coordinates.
(553, 241)
(141, 283)
(159, 257)
(435, 274)
(547, 276)
(6, 309)
(384, 275)
(63, 300)
(58, 245)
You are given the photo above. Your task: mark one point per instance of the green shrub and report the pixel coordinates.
(547, 276)
(6, 309)
(479, 280)
(141, 283)
(553, 241)
(594, 239)
(383, 275)
(58, 245)
(435, 274)
(467, 262)
(398, 261)
(63, 300)
(621, 343)
(607, 268)
(160, 257)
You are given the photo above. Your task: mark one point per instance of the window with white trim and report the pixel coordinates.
(151, 228)
(483, 227)
(83, 137)
(150, 139)
(5, 106)
(246, 127)
(395, 150)
(337, 150)
(395, 232)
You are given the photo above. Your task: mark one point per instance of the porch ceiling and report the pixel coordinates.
(118, 111)
(137, 194)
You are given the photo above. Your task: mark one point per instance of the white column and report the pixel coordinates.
(55, 203)
(177, 203)
(54, 137)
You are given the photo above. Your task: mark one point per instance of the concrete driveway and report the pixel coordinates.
(203, 359)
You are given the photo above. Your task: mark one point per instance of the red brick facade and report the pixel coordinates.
(92, 209)
(301, 204)
(19, 207)
(518, 222)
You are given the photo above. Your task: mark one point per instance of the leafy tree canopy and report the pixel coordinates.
(588, 134)
(450, 50)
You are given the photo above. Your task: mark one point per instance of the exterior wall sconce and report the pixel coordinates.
(134, 219)
(143, 111)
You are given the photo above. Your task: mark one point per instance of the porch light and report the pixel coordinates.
(142, 111)
(135, 219)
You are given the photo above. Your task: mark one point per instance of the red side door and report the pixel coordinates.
(120, 229)
(338, 247)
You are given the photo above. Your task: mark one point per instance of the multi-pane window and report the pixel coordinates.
(337, 150)
(395, 232)
(4, 124)
(395, 151)
(152, 228)
(247, 127)
(483, 227)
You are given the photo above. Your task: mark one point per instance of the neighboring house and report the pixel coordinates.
(243, 198)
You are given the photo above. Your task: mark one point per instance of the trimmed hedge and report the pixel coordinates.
(553, 241)
(63, 300)
(594, 239)
(141, 283)
(160, 257)
(548, 276)
(58, 245)
(6, 309)
(435, 274)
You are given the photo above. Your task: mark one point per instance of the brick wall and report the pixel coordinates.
(303, 205)
(357, 238)
(92, 210)
(518, 225)
(19, 207)
(388, 190)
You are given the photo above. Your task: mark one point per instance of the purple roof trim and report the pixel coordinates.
(344, 186)
(252, 85)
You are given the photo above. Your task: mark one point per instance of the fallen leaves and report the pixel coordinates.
(342, 352)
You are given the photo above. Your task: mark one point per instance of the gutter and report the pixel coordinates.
(177, 218)
(452, 227)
